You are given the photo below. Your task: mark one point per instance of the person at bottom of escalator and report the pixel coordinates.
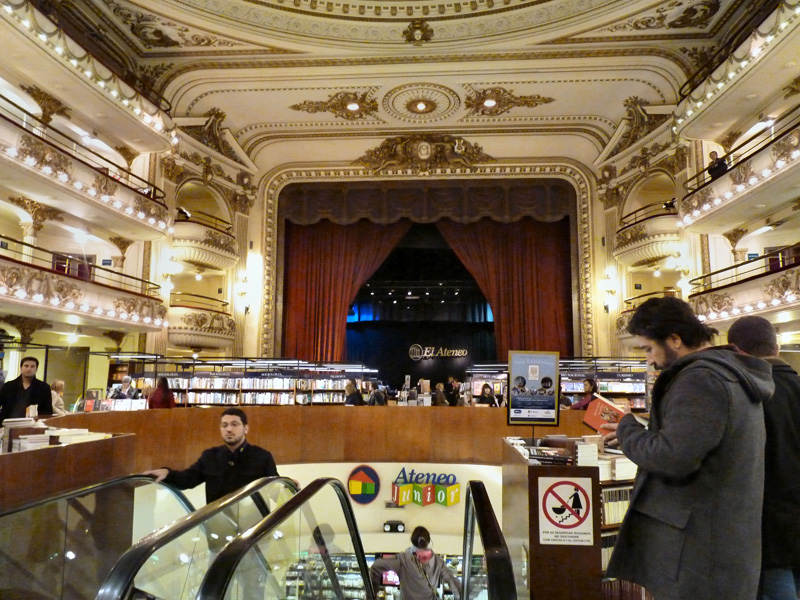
(421, 571)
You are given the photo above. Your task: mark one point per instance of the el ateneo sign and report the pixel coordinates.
(417, 352)
(425, 488)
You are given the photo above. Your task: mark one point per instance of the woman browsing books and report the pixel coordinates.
(589, 390)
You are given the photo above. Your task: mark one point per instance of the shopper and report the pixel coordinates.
(420, 569)
(717, 167)
(162, 396)
(24, 391)
(440, 397)
(589, 390)
(486, 397)
(780, 526)
(57, 395)
(126, 390)
(693, 529)
(376, 397)
(224, 469)
(352, 396)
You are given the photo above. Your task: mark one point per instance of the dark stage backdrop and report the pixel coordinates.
(386, 345)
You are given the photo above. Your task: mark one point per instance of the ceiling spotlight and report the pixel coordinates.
(353, 106)
(490, 103)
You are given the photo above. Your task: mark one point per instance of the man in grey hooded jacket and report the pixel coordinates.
(693, 529)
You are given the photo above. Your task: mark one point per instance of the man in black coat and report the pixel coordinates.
(24, 391)
(780, 525)
(224, 469)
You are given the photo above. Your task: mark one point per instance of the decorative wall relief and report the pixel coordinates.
(347, 105)
(423, 153)
(498, 100)
(50, 105)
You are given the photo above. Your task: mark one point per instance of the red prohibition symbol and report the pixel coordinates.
(563, 501)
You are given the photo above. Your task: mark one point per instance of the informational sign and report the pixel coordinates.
(533, 388)
(565, 511)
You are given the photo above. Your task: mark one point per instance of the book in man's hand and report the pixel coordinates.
(601, 411)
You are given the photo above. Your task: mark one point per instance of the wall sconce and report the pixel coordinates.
(608, 285)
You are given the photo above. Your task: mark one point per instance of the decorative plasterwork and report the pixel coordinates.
(641, 161)
(712, 302)
(734, 235)
(104, 185)
(26, 326)
(155, 32)
(196, 244)
(643, 249)
(730, 139)
(197, 329)
(501, 101)
(640, 124)
(679, 14)
(422, 153)
(39, 213)
(584, 279)
(44, 155)
(126, 153)
(50, 105)
(171, 169)
(147, 309)
(418, 32)
(351, 106)
(440, 102)
(786, 146)
(116, 337)
(209, 169)
(699, 56)
(210, 133)
(121, 243)
(792, 89)
(152, 212)
(242, 203)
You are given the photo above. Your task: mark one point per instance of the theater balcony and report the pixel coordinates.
(768, 286)
(200, 322)
(70, 173)
(760, 183)
(37, 283)
(204, 240)
(647, 236)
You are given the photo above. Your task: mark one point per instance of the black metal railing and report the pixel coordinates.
(496, 574)
(74, 267)
(651, 211)
(766, 264)
(63, 143)
(197, 216)
(786, 127)
(189, 300)
(757, 13)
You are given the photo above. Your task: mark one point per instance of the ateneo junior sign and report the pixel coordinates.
(425, 488)
(417, 352)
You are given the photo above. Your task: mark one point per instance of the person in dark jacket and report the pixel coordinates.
(226, 468)
(24, 391)
(693, 529)
(352, 396)
(780, 526)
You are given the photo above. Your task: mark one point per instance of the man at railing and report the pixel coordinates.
(717, 167)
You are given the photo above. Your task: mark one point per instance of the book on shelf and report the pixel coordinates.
(602, 411)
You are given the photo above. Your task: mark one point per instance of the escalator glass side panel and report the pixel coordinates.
(64, 548)
(176, 569)
(310, 548)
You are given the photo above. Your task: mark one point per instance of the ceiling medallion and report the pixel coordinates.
(418, 32)
(347, 105)
(421, 153)
(421, 102)
(491, 102)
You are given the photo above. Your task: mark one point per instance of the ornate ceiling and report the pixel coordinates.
(347, 74)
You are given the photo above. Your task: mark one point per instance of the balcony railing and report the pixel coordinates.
(766, 264)
(203, 218)
(658, 209)
(758, 13)
(74, 267)
(783, 135)
(53, 140)
(632, 303)
(188, 300)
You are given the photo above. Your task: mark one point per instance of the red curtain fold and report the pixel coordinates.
(523, 269)
(325, 266)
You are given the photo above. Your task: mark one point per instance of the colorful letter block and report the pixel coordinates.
(424, 494)
(402, 494)
(448, 495)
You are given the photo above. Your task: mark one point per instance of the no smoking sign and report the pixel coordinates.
(565, 511)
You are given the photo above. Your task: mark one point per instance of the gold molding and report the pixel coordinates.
(50, 105)
(121, 243)
(734, 235)
(421, 153)
(38, 212)
(26, 326)
(418, 32)
(504, 101)
(338, 103)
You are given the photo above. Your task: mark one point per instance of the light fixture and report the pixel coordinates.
(353, 106)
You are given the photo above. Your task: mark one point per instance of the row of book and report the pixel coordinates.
(26, 433)
(615, 502)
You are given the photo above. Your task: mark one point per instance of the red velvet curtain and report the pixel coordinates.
(325, 266)
(523, 269)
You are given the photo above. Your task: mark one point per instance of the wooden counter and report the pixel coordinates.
(309, 434)
(37, 474)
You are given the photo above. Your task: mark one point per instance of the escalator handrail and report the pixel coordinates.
(122, 575)
(91, 489)
(500, 573)
(220, 573)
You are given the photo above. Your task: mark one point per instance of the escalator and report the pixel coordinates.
(310, 548)
(64, 547)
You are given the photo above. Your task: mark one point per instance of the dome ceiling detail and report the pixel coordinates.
(421, 102)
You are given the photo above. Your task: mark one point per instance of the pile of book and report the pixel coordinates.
(30, 442)
(586, 454)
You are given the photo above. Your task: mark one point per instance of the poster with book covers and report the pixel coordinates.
(532, 388)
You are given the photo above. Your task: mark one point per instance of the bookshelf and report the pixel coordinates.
(245, 381)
